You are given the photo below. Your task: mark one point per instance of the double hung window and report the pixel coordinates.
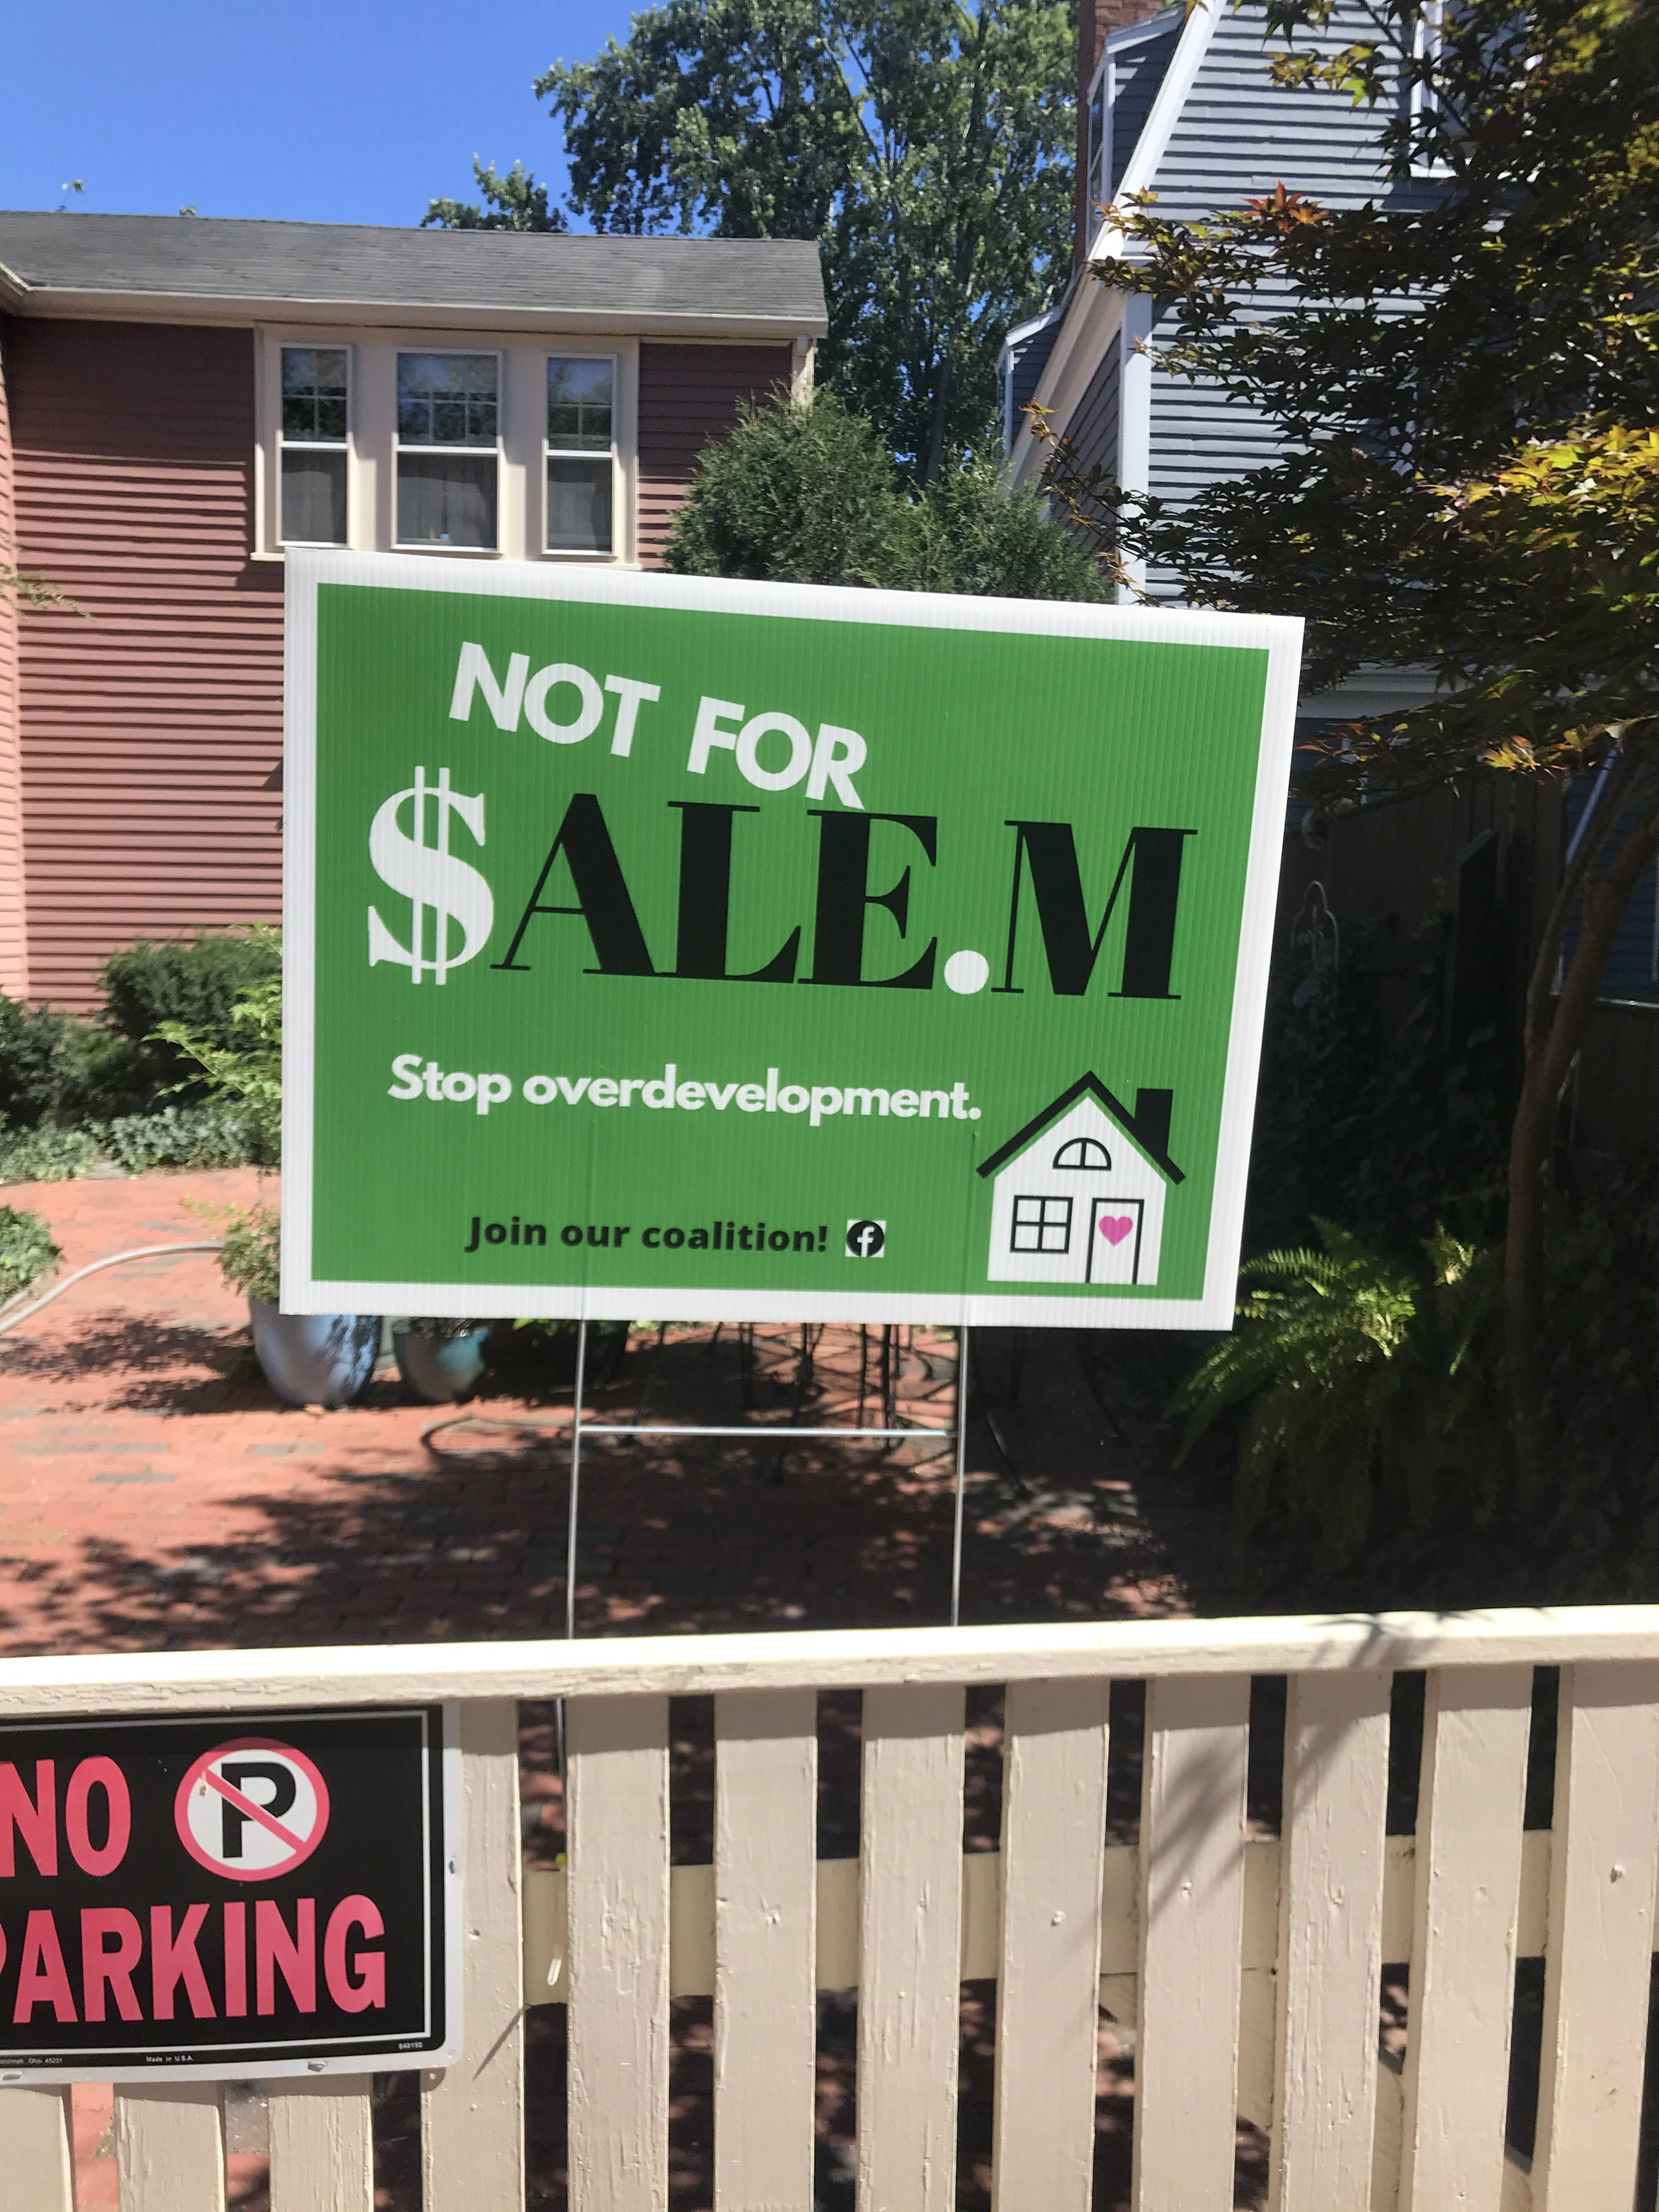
(581, 453)
(448, 449)
(313, 439)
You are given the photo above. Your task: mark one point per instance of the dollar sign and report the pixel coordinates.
(431, 878)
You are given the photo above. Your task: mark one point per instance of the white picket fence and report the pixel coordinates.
(1249, 1968)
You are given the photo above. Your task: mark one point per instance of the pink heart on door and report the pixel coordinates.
(1115, 1227)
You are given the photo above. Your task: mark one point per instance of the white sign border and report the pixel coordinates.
(1279, 635)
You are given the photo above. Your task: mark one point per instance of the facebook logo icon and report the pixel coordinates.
(866, 1240)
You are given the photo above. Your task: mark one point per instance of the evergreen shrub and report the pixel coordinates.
(809, 495)
(194, 982)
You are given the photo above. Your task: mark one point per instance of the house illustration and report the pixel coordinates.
(1078, 1192)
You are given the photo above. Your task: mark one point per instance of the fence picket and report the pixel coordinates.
(910, 1948)
(1053, 1838)
(472, 2112)
(1330, 1943)
(1599, 1959)
(618, 1933)
(1470, 1805)
(322, 2145)
(37, 2154)
(766, 1777)
(170, 2147)
(1192, 1925)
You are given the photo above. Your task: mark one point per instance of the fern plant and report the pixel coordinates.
(1352, 1371)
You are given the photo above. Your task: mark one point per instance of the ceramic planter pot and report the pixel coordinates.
(440, 1369)
(314, 1359)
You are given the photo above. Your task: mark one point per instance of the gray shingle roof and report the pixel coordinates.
(212, 257)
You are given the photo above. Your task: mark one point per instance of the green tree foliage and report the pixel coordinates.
(514, 202)
(248, 1072)
(809, 495)
(926, 143)
(1464, 385)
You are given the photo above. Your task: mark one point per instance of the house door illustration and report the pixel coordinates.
(1114, 1240)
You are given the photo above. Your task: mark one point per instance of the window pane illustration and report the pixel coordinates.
(448, 420)
(1042, 1225)
(1083, 1152)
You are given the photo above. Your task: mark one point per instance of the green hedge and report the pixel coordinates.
(57, 1068)
(193, 981)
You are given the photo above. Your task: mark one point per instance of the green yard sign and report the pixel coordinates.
(663, 947)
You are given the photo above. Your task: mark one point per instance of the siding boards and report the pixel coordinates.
(154, 729)
(1238, 136)
(1137, 73)
(1094, 428)
(14, 942)
(688, 395)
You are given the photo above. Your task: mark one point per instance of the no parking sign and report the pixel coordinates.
(227, 1896)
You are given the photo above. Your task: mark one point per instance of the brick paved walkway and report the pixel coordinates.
(158, 1496)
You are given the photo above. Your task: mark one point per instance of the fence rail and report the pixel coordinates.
(1249, 1967)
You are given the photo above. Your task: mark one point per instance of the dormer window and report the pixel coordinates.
(1085, 1153)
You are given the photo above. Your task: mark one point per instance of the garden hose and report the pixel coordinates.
(117, 1259)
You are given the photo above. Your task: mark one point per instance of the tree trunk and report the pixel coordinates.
(1550, 1050)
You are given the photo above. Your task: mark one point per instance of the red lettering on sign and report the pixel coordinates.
(42, 1977)
(368, 1967)
(172, 1959)
(296, 1954)
(235, 1962)
(37, 1820)
(97, 1774)
(99, 1963)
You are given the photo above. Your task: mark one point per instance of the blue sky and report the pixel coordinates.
(353, 112)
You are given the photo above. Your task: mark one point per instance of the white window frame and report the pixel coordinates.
(550, 451)
(285, 444)
(520, 444)
(459, 352)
